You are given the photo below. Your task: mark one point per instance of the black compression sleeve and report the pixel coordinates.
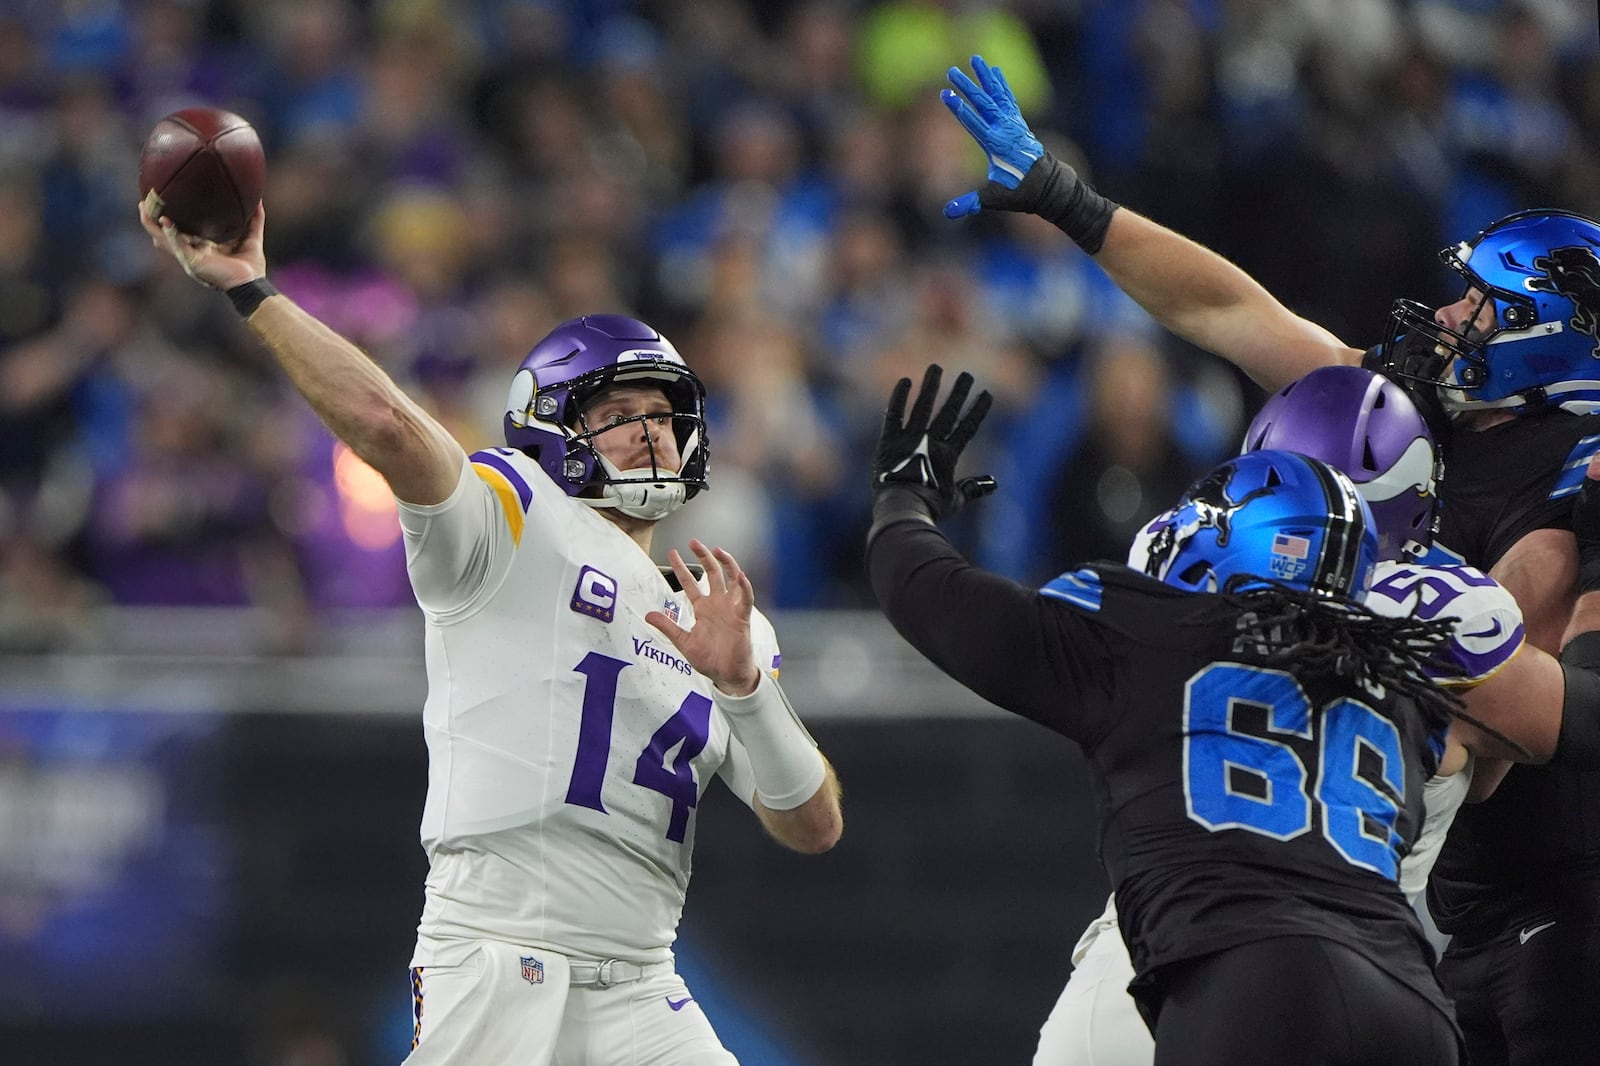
(982, 629)
(1578, 745)
(899, 503)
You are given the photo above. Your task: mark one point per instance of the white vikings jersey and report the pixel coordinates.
(1488, 624)
(1488, 632)
(1088, 1028)
(568, 742)
(1442, 797)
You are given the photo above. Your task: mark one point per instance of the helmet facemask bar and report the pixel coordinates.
(1456, 358)
(686, 430)
(649, 492)
(561, 438)
(1417, 348)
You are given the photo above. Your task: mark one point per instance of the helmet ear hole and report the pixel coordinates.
(1195, 573)
(1368, 460)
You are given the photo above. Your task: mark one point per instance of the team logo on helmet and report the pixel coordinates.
(1209, 507)
(652, 354)
(1573, 272)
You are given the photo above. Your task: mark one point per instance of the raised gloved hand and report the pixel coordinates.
(1586, 526)
(1022, 175)
(915, 466)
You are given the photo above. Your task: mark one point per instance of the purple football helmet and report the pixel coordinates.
(1366, 427)
(564, 373)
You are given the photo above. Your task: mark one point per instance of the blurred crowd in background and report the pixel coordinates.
(448, 179)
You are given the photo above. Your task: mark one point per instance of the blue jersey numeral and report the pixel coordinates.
(687, 730)
(1238, 780)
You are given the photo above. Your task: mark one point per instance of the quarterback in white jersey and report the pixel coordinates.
(567, 757)
(579, 701)
(1367, 427)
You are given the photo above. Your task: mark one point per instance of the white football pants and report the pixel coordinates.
(519, 1006)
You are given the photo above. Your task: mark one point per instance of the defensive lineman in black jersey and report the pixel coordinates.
(1510, 480)
(1512, 361)
(1255, 802)
(1517, 884)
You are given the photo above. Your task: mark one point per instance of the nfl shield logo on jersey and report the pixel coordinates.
(532, 970)
(670, 609)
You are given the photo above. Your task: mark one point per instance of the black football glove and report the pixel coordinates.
(1586, 525)
(915, 468)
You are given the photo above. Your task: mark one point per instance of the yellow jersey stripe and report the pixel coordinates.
(510, 503)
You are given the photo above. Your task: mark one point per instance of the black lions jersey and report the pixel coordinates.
(1238, 802)
(1538, 837)
(1504, 482)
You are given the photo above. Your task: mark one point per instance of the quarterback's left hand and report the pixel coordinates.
(719, 644)
(921, 456)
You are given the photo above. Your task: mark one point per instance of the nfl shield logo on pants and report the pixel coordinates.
(532, 970)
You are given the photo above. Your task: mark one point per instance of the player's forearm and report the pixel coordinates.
(1486, 777)
(815, 825)
(1579, 745)
(982, 629)
(1521, 703)
(784, 760)
(360, 403)
(1585, 617)
(1210, 302)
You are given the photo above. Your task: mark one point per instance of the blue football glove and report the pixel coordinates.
(1022, 175)
(996, 123)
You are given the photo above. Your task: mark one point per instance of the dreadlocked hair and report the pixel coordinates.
(1323, 637)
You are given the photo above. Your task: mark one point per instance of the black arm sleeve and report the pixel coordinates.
(998, 638)
(1578, 744)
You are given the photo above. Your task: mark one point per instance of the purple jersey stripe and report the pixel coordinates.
(518, 482)
(1476, 667)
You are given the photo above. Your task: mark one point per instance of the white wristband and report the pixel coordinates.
(784, 760)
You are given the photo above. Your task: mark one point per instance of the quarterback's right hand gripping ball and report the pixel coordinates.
(203, 168)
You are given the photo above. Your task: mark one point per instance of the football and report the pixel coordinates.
(203, 168)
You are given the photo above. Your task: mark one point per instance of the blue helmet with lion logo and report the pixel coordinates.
(1539, 274)
(1270, 514)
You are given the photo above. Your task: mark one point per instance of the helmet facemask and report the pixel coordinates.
(656, 489)
(1537, 276)
(561, 379)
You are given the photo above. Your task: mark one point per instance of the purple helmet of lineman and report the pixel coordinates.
(561, 377)
(1367, 427)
